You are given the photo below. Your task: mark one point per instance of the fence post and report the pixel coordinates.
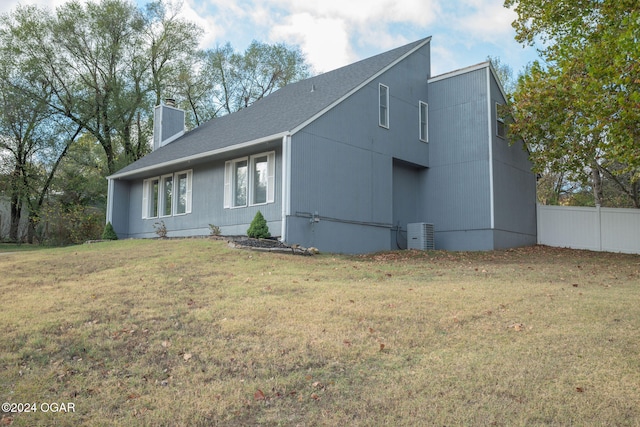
(599, 213)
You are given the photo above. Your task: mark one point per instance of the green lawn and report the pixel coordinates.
(193, 333)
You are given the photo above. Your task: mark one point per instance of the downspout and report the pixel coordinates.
(109, 216)
(286, 185)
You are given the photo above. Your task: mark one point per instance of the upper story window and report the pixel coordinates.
(501, 127)
(384, 106)
(424, 121)
(250, 180)
(167, 195)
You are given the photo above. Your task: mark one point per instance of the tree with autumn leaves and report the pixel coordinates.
(578, 110)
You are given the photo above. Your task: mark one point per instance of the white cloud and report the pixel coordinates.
(486, 20)
(324, 41)
(332, 33)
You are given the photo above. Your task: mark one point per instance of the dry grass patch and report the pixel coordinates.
(189, 332)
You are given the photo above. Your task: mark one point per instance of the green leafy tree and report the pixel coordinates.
(259, 228)
(578, 111)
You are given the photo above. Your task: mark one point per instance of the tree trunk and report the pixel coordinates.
(597, 184)
(16, 211)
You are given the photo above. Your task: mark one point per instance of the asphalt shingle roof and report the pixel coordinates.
(279, 112)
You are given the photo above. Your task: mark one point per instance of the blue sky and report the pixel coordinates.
(333, 33)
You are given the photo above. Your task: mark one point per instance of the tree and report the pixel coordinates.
(105, 64)
(579, 111)
(33, 138)
(258, 229)
(239, 80)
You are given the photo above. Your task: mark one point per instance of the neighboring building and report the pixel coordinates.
(343, 161)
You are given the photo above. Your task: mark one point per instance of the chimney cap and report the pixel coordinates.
(171, 102)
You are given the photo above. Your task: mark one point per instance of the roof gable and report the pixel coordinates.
(282, 112)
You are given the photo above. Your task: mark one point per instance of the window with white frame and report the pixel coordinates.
(501, 127)
(249, 180)
(167, 195)
(383, 92)
(424, 121)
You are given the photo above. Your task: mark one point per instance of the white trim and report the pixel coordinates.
(110, 193)
(476, 67)
(171, 139)
(230, 185)
(233, 183)
(386, 106)
(227, 185)
(161, 196)
(210, 153)
(147, 200)
(490, 132)
(357, 88)
(188, 192)
(286, 185)
(459, 71)
(425, 137)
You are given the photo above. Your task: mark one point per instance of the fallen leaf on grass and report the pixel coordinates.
(580, 389)
(259, 395)
(314, 396)
(517, 327)
(347, 343)
(187, 356)
(381, 346)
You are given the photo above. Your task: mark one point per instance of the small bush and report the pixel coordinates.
(109, 233)
(160, 229)
(258, 228)
(214, 230)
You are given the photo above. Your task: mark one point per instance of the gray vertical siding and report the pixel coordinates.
(120, 207)
(514, 187)
(354, 186)
(458, 182)
(208, 202)
(408, 196)
(342, 163)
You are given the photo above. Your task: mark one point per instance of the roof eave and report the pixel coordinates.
(199, 156)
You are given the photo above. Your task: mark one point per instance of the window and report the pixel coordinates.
(183, 199)
(259, 169)
(384, 106)
(501, 127)
(167, 195)
(249, 181)
(150, 198)
(167, 192)
(424, 121)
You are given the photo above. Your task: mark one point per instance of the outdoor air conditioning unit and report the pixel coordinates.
(420, 236)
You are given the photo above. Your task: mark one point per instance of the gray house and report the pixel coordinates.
(343, 161)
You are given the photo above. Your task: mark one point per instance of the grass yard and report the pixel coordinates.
(192, 333)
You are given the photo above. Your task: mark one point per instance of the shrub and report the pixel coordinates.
(258, 228)
(109, 233)
(214, 230)
(160, 229)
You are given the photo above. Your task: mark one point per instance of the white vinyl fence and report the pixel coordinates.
(596, 229)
